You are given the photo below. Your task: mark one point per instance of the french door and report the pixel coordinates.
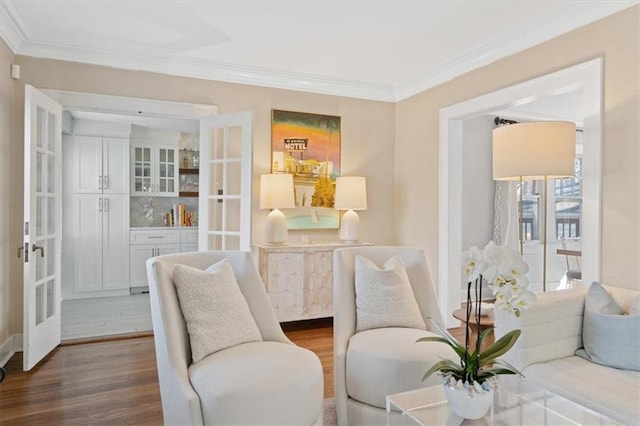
(42, 226)
(226, 155)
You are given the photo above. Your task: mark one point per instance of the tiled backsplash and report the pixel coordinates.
(149, 211)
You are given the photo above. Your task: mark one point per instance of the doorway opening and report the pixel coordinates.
(90, 310)
(586, 78)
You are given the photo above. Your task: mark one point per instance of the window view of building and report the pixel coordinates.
(567, 197)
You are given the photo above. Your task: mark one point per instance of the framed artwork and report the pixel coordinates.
(308, 147)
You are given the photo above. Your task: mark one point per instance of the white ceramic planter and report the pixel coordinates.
(467, 406)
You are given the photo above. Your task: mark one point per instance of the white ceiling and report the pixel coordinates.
(382, 50)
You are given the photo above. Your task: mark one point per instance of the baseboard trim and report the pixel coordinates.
(12, 345)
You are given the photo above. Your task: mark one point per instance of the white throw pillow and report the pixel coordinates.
(609, 337)
(384, 297)
(216, 312)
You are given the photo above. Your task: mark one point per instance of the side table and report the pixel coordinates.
(486, 321)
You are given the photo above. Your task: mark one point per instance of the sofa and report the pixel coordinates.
(551, 353)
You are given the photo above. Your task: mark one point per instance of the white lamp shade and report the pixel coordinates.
(276, 191)
(534, 150)
(351, 193)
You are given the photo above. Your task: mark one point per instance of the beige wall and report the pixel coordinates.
(6, 251)
(617, 39)
(368, 132)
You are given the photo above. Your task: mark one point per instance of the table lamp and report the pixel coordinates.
(276, 192)
(351, 194)
(534, 151)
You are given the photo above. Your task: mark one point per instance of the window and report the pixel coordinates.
(568, 204)
(567, 197)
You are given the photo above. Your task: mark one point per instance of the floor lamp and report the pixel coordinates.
(534, 151)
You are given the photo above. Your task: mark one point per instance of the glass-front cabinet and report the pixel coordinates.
(154, 169)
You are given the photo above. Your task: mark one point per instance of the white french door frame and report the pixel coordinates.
(208, 160)
(587, 77)
(42, 226)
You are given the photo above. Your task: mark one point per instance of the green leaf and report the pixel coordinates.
(445, 365)
(484, 334)
(460, 349)
(434, 339)
(509, 366)
(500, 347)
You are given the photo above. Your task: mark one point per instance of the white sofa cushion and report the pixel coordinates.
(609, 337)
(216, 312)
(385, 361)
(247, 390)
(384, 297)
(605, 390)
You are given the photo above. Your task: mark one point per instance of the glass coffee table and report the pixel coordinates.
(515, 403)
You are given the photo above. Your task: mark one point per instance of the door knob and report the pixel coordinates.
(37, 247)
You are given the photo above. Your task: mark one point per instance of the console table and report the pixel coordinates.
(298, 278)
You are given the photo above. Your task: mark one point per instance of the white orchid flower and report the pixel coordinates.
(493, 253)
(513, 264)
(473, 263)
(524, 300)
(504, 294)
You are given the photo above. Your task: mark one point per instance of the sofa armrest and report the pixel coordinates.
(551, 328)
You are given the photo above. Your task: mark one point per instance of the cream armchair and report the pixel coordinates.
(372, 364)
(267, 382)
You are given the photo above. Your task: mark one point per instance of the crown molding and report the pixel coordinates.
(572, 16)
(12, 29)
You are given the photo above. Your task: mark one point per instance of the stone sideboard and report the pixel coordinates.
(298, 278)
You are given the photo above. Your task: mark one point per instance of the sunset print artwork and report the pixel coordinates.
(308, 147)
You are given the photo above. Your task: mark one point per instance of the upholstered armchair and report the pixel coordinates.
(371, 364)
(271, 381)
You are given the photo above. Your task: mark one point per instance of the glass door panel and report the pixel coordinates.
(225, 182)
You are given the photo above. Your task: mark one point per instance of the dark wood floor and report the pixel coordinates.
(113, 381)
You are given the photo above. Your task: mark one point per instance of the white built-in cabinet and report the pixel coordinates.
(95, 216)
(99, 165)
(149, 242)
(154, 168)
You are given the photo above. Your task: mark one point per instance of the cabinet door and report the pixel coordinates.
(318, 288)
(285, 284)
(115, 241)
(141, 166)
(188, 247)
(166, 165)
(86, 164)
(115, 166)
(87, 249)
(139, 255)
(162, 249)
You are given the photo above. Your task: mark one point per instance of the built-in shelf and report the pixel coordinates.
(191, 172)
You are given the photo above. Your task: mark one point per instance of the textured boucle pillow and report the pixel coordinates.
(609, 336)
(216, 312)
(384, 297)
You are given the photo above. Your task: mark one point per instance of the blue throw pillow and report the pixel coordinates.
(609, 336)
